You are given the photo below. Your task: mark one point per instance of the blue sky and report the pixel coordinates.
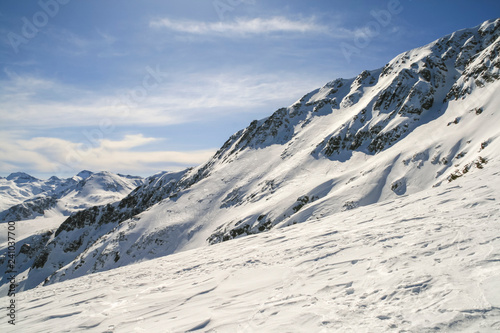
(138, 87)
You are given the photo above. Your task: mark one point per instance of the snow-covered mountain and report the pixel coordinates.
(427, 118)
(25, 197)
(423, 263)
(19, 186)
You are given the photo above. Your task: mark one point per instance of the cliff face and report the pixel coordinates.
(426, 118)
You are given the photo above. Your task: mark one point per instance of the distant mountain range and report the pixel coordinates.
(428, 117)
(25, 197)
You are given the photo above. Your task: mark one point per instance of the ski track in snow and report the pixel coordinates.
(422, 263)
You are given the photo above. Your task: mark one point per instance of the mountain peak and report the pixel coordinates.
(21, 177)
(84, 174)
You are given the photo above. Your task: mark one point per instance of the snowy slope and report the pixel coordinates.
(427, 118)
(25, 197)
(424, 262)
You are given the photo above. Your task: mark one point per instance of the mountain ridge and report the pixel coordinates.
(421, 263)
(406, 127)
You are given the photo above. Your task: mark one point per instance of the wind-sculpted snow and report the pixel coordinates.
(429, 262)
(427, 118)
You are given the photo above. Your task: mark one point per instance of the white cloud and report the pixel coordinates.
(37, 102)
(241, 26)
(58, 156)
(128, 142)
(43, 105)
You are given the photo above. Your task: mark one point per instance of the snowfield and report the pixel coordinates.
(421, 263)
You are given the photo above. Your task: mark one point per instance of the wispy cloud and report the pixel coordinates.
(108, 38)
(39, 106)
(56, 156)
(241, 26)
(31, 101)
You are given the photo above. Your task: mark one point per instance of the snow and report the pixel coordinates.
(313, 159)
(26, 228)
(418, 263)
(87, 189)
(380, 192)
